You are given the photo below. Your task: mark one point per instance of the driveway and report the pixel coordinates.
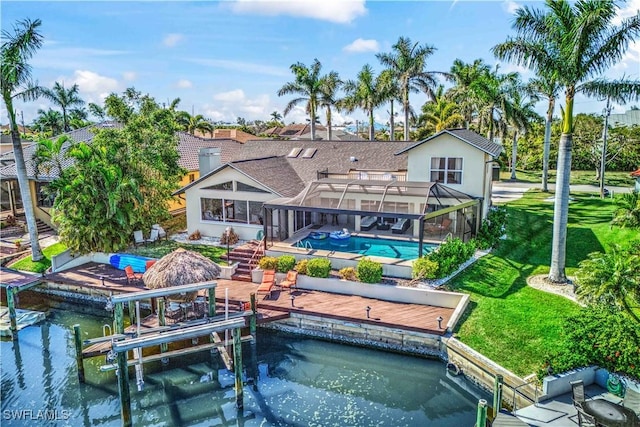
(506, 191)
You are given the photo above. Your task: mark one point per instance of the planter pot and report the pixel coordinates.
(256, 275)
(226, 271)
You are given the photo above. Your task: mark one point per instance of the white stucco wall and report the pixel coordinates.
(213, 228)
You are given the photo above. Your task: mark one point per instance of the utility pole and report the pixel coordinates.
(603, 160)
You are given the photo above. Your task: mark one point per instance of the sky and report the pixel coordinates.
(228, 59)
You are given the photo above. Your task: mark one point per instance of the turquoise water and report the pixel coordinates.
(400, 249)
(301, 382)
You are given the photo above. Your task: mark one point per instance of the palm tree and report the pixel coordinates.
(439, 114)
(628, 212)
(65, 99)
(276, 116)
(308, 84)
(575, 43)
(49, 152)
(15, 78)
(611, 278)
(546, 87)
(49, 121)
(521, 116)
(465, 78)
(191, 124)
(365, 93)
(493, 91)
(97, 111)
(390, 91)
(330, 85)
(407, 62)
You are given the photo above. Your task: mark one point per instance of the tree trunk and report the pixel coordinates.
(392, 124)
(405, 104)
(561, 210)
(313, 122)
(546, 146)
(328, 123)
(371, 128)
(514, 155)
(25, 191)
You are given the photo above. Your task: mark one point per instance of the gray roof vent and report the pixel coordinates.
(353, 159)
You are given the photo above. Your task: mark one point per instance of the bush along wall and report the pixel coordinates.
(286, 263)
(319, 267)
(369, 271)
(451, 254)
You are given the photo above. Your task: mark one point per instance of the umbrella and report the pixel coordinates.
(180, 267)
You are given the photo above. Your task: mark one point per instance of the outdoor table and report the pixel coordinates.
(610, 414)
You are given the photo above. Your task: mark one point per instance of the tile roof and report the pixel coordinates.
(636, 174)
(468, 136)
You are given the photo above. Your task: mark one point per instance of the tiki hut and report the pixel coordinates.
(180, 267)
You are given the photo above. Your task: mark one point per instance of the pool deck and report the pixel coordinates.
(349, 308)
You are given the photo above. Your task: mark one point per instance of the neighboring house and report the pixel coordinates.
(235, 134)
(293, 131)
(188, 147)
(629, 118)
(456, 163)
(636, 175)
(336, 135)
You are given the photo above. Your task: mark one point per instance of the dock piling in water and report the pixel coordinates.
(77, 338)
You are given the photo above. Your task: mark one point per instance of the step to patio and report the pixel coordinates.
(244, 256)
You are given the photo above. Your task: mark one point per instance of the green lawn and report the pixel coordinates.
(26, 264)
(509, 322)
(616, 179)
(162, 248)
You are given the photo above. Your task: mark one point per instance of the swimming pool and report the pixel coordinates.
(390, 248)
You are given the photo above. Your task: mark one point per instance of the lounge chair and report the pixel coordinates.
(368, 222)
(438, 228)
(149, 264)
(632, 400)
(401, 226)
(138, 238)
(161, 233)
(131, 275)
(268, 280)
(290, 281)
(154, 236)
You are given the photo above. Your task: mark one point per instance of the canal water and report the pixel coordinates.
(301, 382)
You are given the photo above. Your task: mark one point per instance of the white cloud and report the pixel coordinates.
(235, 103)
(628, 9)
(242, 66)
(630, 63)
(231, 96)
(184, 84)
(338, 11)
(129, 76)
(362, 45)
(510, 6)
(93, 86)
(172, 39)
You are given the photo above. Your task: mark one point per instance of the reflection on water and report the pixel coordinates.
(302, 382)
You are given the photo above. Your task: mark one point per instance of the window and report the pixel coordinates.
(227, 210)
(192, 177)
(224, 186)
(294, 152)
(241, 186)
(309, 152)
(45, 198)
(446, 170)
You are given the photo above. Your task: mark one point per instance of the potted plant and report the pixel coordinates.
(18, 243)
(265, 263)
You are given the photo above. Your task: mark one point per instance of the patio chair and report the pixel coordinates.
(173, 312)
(368, 222)
(161, 233)
(586, 420)
(400, 226)
(149, 263)
(268, 280)
(154, 236)
(290, 281)
(438, 228)
(577, 393)
(132, 277)
(138, 238)
(632, 400)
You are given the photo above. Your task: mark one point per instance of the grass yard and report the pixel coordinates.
(162, 248)
(26, 264)
(616, 179)
(509, 322)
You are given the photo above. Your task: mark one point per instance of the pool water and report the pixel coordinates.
(301, 382)
(369, 246)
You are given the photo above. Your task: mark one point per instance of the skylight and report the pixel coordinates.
(294, 152)
(309, 152)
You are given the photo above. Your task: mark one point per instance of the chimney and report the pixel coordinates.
(209, 159)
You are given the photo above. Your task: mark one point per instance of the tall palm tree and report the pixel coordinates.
(17, 48)
(65, 99)
(439, 114)
(465, 78)
(548, 88)
(521, 116)
(408, 61)
(331, 83)
(390, 91)
(308, 84)
(365, 93)
(97, 111)
(49, 153)
(49, 121)
(574, 43)
(276, 116)
(494, 91)
(191, 124)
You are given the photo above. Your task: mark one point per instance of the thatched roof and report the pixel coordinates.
(180, 267)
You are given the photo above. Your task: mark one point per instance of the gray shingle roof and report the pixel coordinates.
(275, 173)
(468, 136)
(189, 146)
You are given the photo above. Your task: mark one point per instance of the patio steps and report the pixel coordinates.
(244, 256)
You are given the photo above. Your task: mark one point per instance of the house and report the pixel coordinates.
(300, 182)
(188, 148)
(292, 131)
(235, 134)
(636, 175)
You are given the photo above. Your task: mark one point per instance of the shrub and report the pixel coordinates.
(451, 254)
(319, 267)
(424, 268)
(301, 266)
(597, 335)
(286, 263)
(348, 273)
(369, 271)
(492, 228)
(268, 263)
(232, 237)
